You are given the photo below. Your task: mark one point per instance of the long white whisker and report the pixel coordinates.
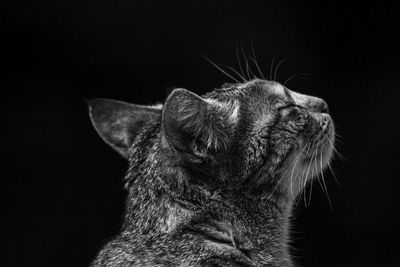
(309, 197)
(319, 180)
(304, 193)
(316, 170)
(290, 78)
(237, 73)
(337, 134)
(247, 64)
(272, 64)
(239, 62)
(294, 167)
(300, 76)
(333, 173)
(258, 68)
(308, 168)
(277, 68)
(338, 139)
(323, 181)
(220, 69)
(305, 180)
(303, 172)
(343, 158)
(276, 186)
(254, 59)
(312, 172)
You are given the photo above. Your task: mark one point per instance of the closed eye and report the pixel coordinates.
(290, 105)
(213, 236)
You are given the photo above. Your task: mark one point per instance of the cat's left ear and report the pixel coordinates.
(118, 122)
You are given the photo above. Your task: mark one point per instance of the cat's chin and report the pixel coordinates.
(309, 163)
(320, 150)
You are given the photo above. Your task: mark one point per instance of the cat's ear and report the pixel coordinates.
(118, 122)
(195, 125)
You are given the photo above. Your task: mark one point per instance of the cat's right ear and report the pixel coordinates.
(196, 126)
(118, 122)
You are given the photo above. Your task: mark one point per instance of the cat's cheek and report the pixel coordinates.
(298, 144)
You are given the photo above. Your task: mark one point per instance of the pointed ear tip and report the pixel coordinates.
(178, 91)
(92, 101)
(95, 108)
(96, 104)
(90, 104)
(182, 92)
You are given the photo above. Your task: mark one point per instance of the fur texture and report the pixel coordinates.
(212, 179)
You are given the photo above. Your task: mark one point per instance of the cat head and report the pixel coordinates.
(256, 135)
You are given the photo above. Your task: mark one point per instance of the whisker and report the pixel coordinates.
(294, 166)
(343, 158)
(319, 179)
(276, 186)
(333, 173)
(300, 76)
(290, 78)
(247, 64)
(309, 198)
(277, 68)
(337, 134)
(220, 69)
(312, 171)
(323, 181)
(237, 73)
(258, 68)
(337, 140)
(239, 62)
(302, 174)
(272, 64)
(252, 73)
(254, 59)
(304, 191)
(312, 175)
(308, 171)
(308, 155)
(312, 159)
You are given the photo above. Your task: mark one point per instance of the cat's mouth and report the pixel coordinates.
(320, 145)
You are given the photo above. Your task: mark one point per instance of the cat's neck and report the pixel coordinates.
(151, 202)
(256, 226)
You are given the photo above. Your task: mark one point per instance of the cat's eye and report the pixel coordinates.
(289, 105)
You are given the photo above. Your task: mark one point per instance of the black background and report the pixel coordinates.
(62, 185)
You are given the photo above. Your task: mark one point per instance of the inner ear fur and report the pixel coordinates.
(195, 125)
(119, 122)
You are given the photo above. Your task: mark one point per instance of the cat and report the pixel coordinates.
(212, 179)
